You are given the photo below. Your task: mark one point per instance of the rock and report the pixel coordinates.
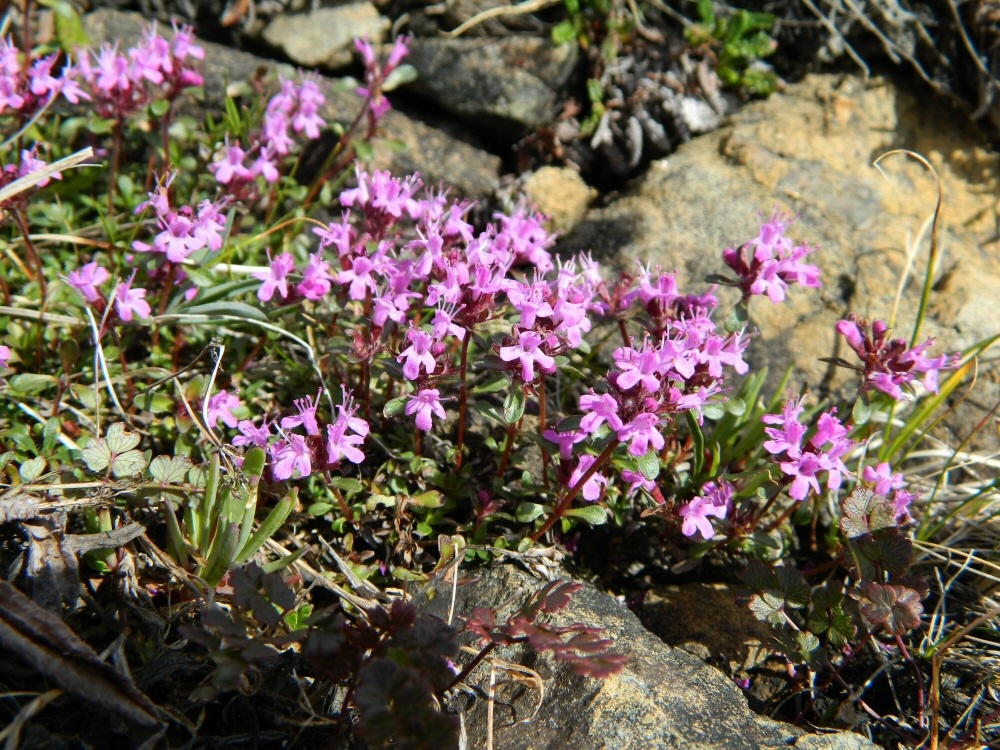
(415, 146)
(506, 85)
(324, 37)
(561, 194)
(664, 698)
(808, 150)
(707, 621)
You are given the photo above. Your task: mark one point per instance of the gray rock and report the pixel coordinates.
(506, 84)
(809, 150)
(415, 146)
(664, 698)
(324, 37)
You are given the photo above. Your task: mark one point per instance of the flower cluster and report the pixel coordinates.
(129, 301)
(26, 90)
(715, 502)
(770, 262)
(122, 84)
(802, 460)
(680, 372)
(29, 164)
(319, 449)
(377, 74)
(183, 231)
(884, 481)
(888, 365)
(293, 110)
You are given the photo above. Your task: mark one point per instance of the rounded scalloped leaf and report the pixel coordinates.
(117, 451)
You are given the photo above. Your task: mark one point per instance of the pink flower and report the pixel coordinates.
(290, 455)
(129, 301)
(417, 353)
(424, 403)
(4, 357)
(829, 444)
(642, 367)
(341, 444)
(882, 478)
(598, 409)
(592, 488)
(636, 481)
(565, 440)
(696, 514)
(316, 278)
(888, 364)
(230, 167)
(306, 416)
(251, 435)
(642, 434)
(527, 350)
(770, 262)
(86, 279)
(275, 278)
(220, 406)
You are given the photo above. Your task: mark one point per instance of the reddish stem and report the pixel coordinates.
(542, 428)
(462, 399)
(560, 509)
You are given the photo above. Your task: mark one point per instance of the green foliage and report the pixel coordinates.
(739, 41)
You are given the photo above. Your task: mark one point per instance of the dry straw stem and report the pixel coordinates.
(967, 562)
(529, 6)
(30, 180)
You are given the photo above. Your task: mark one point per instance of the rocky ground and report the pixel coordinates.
(497, 112)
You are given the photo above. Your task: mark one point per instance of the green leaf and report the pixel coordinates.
(400, 76)
(170, 469)
(768, 607)
(96, 454)
(118, 449)
(698, 444)
(513, 405)
(792, 583)
(488, 410)
(100, 125)
(234, 309)
(491, 386)
(861, 412)
(649, 465)
(714, 410)
(528, 512)
(828, 615)
(159, 107)
(69, 26)
(31, 469)
(278, 515)
(737, 318)
(564, 33)
(31, 384)
(210, 290)
(866, 512)
(428, 499)
(595, 515)
(350, 485)
(736, 406)
(394, 407)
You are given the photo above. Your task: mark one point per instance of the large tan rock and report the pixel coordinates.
(809, 150)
